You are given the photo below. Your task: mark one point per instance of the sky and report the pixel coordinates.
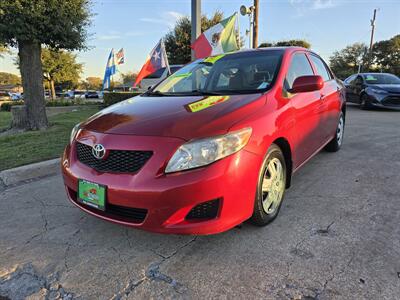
(137, 26)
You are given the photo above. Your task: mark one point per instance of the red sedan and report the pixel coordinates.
(213, 145)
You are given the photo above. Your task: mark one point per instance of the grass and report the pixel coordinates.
(34, 146)
(5, 119)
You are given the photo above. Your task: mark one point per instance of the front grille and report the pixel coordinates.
(206, 210)
(392, 100)
(117, 161)
(121, 213)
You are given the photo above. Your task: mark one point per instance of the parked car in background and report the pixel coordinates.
(92, 95)
(210, 147)
(158, 76)
(373, 89)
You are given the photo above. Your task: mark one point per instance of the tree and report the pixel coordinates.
(60, 66)
(27, 24)
(128, 77)
(386, 55)
(8, 78)
(298, 43)
(92, 83)
(347, 61)
(177, 41)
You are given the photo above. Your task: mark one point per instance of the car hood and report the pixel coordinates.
(186, 117)
(391, 88)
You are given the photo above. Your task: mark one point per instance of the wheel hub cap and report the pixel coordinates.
(273, 186)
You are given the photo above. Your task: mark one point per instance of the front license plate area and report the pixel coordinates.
(92, 194)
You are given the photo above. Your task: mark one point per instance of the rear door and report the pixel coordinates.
(330, 98)
(307, 110)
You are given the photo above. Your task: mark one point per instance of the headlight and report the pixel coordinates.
(74, 132)
(377, 91)
(205, 151)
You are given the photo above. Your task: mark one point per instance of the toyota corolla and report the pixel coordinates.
(210, 147)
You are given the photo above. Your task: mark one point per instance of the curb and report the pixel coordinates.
(25, 173)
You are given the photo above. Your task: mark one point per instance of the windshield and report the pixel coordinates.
(240, 72)
(382, 79)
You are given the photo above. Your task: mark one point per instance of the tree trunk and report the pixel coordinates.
(32, 81)
(53, 90)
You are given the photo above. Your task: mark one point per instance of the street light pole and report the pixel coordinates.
(196, 22)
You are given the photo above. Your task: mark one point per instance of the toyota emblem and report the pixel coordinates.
(99, 151)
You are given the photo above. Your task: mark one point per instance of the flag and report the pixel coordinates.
(220, 38)
(110, 70)
(120, 58)
(156, 60)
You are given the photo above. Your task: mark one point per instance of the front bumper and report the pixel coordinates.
(167, 198)
(391, 101)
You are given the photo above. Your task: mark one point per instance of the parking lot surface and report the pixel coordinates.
(337, 237)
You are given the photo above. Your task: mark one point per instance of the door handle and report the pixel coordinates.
(322, 97)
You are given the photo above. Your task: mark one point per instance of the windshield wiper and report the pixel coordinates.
(155, 93)
(206, 93)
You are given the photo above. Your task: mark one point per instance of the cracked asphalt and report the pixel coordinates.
(337, 237)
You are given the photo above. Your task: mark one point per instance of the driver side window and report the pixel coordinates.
(299, 66)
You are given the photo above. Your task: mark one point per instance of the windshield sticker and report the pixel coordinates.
(370, 77)
(183, 75)
(207, 102)
(213, 59)
(263, 85)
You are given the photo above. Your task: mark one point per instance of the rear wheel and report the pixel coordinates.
(335, 144)
(364, 102)
(271, 187)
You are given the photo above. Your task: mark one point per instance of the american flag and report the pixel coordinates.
(120, 58)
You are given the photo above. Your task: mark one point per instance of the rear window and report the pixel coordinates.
(381, 79)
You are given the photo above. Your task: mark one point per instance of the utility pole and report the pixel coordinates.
(371, 43)
(255, 24)
(372, 31)
(196, 22)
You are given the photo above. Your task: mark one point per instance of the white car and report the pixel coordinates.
(158, 76)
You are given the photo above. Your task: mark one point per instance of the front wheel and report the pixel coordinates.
(336, 143)
(364, 102)
(271, 187)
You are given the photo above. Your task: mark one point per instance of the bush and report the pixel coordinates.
(115, 97)
(7, 105)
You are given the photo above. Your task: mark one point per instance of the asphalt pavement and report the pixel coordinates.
(337, 237)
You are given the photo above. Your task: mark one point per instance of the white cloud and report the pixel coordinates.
(302, 7)
(168, 18)
(107, 37)
(323, 4)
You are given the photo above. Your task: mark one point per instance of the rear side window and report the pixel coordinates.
(299, 66)
(321, 68)
(350, 79)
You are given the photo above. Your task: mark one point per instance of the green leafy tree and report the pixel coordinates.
(27, 25)
(348, 60)
(386, 55)
(298, 43)
(8, 78)
(177, 41)
(92, 83)
(129, 77)
(60, 67)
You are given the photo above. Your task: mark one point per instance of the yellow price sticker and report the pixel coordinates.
(207, 102)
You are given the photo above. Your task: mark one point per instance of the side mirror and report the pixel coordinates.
(308, 83)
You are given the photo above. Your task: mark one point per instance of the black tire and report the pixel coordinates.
(365, 104)
(260, 217)
(336, 143)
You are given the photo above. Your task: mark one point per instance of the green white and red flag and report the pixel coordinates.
(220, 38)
